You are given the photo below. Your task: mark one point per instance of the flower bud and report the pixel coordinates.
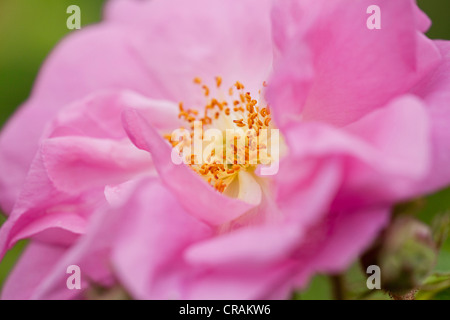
(405, 253)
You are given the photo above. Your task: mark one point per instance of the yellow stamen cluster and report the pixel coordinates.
(238, 110)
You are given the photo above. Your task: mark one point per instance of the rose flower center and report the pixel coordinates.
(228, 138)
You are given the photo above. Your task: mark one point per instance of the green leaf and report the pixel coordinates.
(436, 287)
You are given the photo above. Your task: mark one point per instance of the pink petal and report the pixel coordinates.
(206, 38)
(385, 154)
(124, 54)
(349, 234)
(91, 253)
(306, 188)
(38, 200)
(400, 130)
(154, 260)
(339, 240)
(155, 232)
(247, 284)
(93, 250)
(334, 69)
(196, 196)
(67, 181)
(435, 90)
(33, 266)
(97, 115)
(75, 164)
(108, 61)
(254, 248)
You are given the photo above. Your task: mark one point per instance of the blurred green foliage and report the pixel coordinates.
(29, 29)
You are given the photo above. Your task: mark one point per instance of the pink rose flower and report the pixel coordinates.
(87, 173)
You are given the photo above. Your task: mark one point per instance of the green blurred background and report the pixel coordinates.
(29, 29)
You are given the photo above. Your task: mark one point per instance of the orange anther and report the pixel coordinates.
(263, 112)
(205, 87)
(218, 81)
